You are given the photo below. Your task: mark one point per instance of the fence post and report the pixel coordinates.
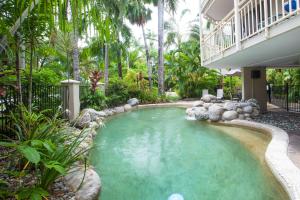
(70, 97)
(287, 96)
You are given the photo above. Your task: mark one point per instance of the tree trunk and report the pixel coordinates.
(119, 57)
(149, 67)
(75, 57)
(22, 56)
(161, 46)
(106, 68)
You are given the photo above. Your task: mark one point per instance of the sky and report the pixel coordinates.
(192, 5)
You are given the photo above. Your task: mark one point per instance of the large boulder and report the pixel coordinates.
(127, 107)
(109, 112)
(215, 112)
(199, 113)
(119, 109)
(94, 114)
(83, 120)
(229, 115)
(248, 109)
(230, 105)
(242, 104)
(91, 184)
(207, 105)
(198, 103)
(133, 102)
(208, 98)
(252, 101)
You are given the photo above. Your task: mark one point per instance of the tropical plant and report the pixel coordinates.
(185, 73)
(41, 148)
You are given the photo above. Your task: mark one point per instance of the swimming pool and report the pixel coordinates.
(150, 154)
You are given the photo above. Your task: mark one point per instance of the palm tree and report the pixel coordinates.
(172, 28)
(171, 5)
(138, 14)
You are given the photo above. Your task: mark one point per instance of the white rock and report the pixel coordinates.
(83, 120)
(247, 115)
(94, 125)
(254, 101)
(127, 107)
(198, 103)
(208, 98)
(230, 106)
(248, 109)
(241, 116)
(119, 109)
(133, 102)
(229, 115)
(109, 112)
(91, 184)
(242, 104)
(201, 113)
(215, 112)
(207, 105)
(94, 114)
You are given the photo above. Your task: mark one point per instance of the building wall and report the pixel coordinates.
(255, 87)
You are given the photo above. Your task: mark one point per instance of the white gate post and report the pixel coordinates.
(70, 97)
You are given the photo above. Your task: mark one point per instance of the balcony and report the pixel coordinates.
(259, 21)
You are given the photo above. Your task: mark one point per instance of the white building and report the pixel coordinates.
(251, 35)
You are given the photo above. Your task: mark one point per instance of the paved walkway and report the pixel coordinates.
(288, 121)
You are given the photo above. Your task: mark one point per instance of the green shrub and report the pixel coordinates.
(41, 148)
(117, 93)
(95, 100)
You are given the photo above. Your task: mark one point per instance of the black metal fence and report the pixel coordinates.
(286, 96)
(44, 97)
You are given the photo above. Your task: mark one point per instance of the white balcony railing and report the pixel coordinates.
(221, 38)
(256, 16)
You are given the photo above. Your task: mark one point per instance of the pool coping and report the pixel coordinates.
(276, 155)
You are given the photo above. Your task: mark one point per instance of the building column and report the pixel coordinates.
(70, 98)
(254, 85)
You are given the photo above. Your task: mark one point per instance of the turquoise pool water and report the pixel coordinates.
(152, 153)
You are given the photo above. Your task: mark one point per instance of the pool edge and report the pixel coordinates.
(276, 156)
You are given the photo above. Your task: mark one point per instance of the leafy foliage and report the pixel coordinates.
(185, 74)
(41, 148)
(96, 100)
